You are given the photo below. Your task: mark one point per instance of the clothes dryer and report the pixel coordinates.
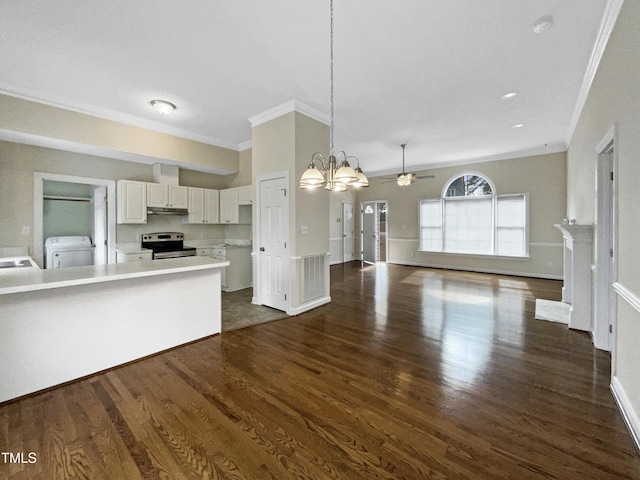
(68, 251)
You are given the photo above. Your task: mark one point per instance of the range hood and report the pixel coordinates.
(166, 211)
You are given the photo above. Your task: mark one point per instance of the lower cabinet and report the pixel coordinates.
(239, 272)
(122, 257)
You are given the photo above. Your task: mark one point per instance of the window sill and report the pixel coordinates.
(477, 255)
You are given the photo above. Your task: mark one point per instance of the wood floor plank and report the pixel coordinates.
(408, 373)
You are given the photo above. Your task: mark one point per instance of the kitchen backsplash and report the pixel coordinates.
(170, 223)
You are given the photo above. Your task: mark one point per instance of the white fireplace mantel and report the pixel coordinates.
(576, 290)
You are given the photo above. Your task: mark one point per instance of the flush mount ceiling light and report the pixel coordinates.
(163, 107)
(542, 24)
(518, 125)
(338, 175)
(509, 95)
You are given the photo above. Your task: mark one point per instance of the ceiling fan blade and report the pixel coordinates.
(425, 176)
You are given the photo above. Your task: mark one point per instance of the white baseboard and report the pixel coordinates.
(628, 414)
(309, 306)
(552, 311)
(480, 270)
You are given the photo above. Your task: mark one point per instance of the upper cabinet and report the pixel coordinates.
(167, 196)
(246, 195)
(229, 206)
(203, 205)
(131, 201)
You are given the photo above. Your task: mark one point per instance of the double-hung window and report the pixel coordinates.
(471, 218)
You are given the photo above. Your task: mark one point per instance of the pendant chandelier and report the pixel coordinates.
(332, 175)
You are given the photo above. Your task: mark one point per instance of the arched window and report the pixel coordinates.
(471, 218)
(468, 185)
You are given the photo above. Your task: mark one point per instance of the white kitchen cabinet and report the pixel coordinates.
(229, 206)
(238, 274)
(246, 195)
(123, 257)
(203, 206)
(204, 252)
(167, 196)
(131, 201)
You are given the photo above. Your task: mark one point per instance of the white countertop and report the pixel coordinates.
(30, 279)
(214, 245)
(132, 248)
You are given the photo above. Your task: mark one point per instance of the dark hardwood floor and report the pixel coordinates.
(409, 373)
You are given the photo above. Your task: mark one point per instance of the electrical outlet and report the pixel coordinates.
(26, 230)
(304, 229)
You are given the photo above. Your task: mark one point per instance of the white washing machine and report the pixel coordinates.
(70, 251)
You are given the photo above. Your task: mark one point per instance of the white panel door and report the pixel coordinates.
(604, 254)
(274, 232)
(369, 216)
(347, 232)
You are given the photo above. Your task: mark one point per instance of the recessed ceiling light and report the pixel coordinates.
(518, 125)
(509, 95)
(542, 24)
(163, 107)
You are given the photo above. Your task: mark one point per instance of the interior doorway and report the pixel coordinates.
(373, 235)
(58, 192)
(347, 232)
(604, 246)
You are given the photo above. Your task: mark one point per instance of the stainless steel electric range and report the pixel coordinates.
(167, 245)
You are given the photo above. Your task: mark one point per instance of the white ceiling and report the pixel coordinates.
(429, 73)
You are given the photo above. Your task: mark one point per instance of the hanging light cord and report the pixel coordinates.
(403, 145)
(331, 83)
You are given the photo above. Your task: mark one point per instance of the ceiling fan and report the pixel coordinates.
(403, 179)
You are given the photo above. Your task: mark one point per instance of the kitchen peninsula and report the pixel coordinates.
(63, 324)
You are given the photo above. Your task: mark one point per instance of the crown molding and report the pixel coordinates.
(470, 161)
(611, 12)
(244, 146)
(289, 106)
(113, 116)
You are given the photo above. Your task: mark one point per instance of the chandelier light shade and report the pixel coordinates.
(362, 180)
(333, 176)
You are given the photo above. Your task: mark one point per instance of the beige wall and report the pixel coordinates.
(311, 207)
(542, 176)
(286, 143)
(614, 101)
(18, 163)
(244, 175)
(22, 117)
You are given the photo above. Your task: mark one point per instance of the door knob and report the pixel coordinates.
(262, 249)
